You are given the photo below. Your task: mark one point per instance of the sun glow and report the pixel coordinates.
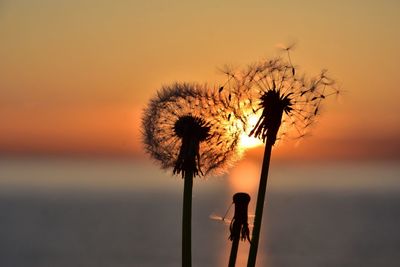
(244, 177)
(246, 141)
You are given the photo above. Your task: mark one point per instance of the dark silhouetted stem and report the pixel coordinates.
(187, 220)
(259, 206)
(234, 250)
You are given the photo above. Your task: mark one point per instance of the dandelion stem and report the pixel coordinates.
(234, 250)
(251, 262)
(187, 220)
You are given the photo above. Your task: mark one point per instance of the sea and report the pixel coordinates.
(117, 213)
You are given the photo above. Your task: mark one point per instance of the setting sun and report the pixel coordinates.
(245, 140)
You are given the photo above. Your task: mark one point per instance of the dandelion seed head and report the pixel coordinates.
(286, 103)
(239, 227)
(190, 128)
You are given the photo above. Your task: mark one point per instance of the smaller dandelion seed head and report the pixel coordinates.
(239, 227)
(241, 198)
(186, 128)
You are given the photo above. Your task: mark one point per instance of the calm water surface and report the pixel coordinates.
(108, 213)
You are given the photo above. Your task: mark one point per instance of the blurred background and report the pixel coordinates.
(77, 189)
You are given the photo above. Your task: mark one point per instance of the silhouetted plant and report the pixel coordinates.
(285, 103)
(188, 129)
(239, 226)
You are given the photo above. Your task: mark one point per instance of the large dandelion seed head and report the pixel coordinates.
(188, 128)
(285, 103)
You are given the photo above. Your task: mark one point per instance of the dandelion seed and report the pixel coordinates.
(282, 96)
(286, 102)
(239, 227)
(185, 129)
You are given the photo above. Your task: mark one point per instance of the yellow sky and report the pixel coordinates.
(75, 75)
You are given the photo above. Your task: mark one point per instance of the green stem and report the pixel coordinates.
(187, 221)
(251, 262)
(234, 250)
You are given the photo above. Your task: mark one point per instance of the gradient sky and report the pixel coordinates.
(75, 74)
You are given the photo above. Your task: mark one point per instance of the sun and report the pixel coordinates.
(249, 142)
(246, 141)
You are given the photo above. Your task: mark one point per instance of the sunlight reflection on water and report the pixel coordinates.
(127, 213)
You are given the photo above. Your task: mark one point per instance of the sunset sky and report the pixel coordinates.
(76, 74)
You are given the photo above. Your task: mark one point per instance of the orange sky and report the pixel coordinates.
(75, 75)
